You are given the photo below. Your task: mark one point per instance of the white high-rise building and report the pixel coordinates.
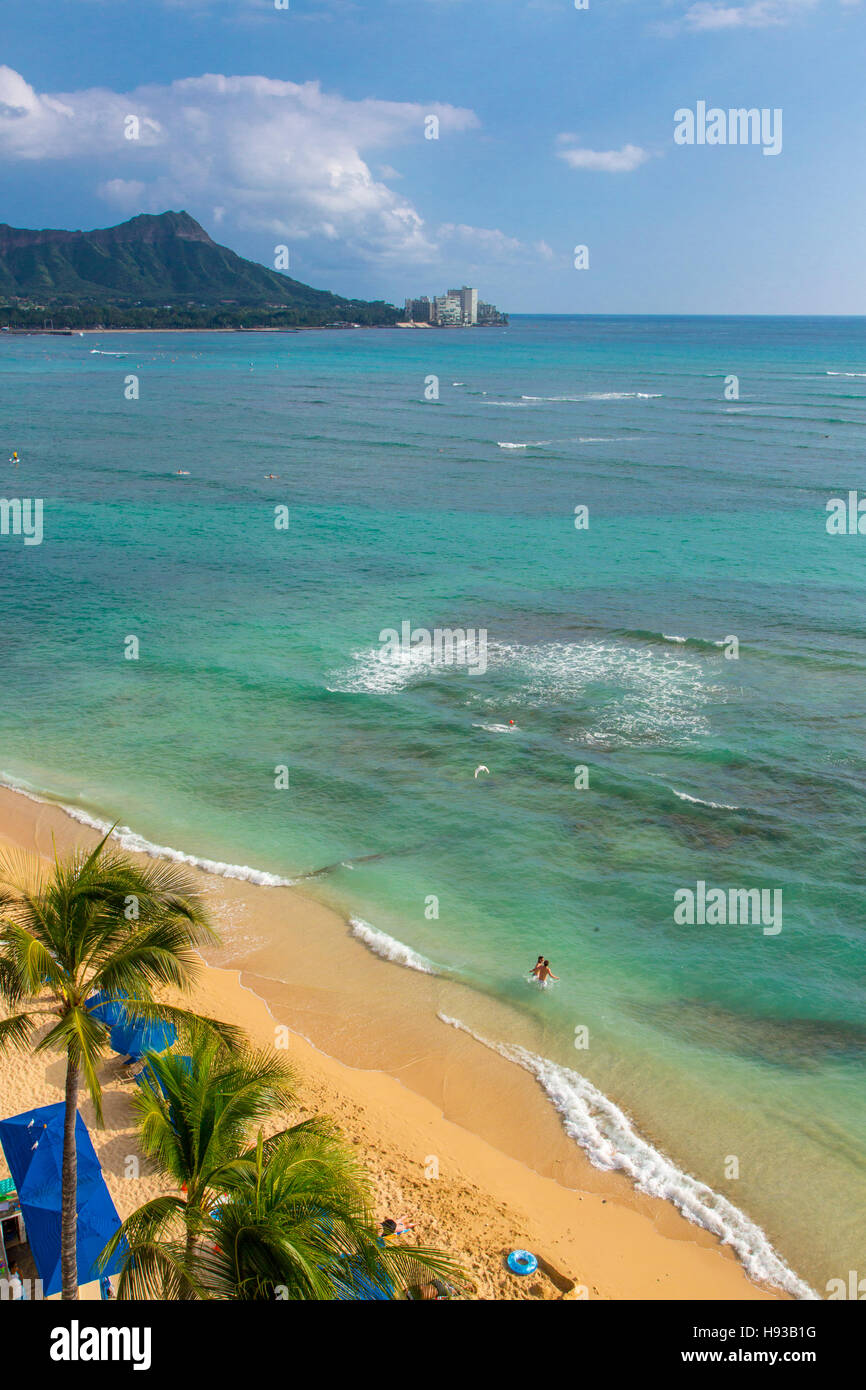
(469, 304)
(457, 308)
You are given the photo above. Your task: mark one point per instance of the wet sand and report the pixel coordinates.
(459, 1141)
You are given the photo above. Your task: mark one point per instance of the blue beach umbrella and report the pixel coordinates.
(358, 1286)
(135, 1038)
(131, 1035)
(107, 1008)
(33, 1146)
(140, 1035)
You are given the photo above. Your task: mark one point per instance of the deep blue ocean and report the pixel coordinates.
(609, 663)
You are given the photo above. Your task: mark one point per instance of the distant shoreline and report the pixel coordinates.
(300, 328)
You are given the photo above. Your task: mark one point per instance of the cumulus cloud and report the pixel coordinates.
(707, 16)
(284, 159)
(719, 16)
(760, 14)
(622, 161)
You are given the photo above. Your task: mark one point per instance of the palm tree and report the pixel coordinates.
(289, 1218)
(194, 1115)
(95, 921)
(297, 1224)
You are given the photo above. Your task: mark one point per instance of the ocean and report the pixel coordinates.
(633, 511)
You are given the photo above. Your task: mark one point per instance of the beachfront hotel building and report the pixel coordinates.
(455, 308)
(420, 310)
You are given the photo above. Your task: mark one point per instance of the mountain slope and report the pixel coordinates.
(151, 261)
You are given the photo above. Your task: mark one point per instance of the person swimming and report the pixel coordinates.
(545, 974)
(536, 967)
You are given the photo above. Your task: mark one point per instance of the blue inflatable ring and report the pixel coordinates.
(522, 1262)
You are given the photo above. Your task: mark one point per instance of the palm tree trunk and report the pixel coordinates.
(69, 1208)
(192, 1244)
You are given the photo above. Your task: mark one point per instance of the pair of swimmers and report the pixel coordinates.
(542, 972)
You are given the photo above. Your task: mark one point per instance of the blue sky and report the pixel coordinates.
(305, 127)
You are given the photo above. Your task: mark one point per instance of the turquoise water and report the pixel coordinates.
(259, 648)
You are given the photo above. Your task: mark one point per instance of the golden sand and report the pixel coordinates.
(458, 1141)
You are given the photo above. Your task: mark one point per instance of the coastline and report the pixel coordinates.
(414, 1095)
(264, 328)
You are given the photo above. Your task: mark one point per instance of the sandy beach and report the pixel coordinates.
(459, 1142)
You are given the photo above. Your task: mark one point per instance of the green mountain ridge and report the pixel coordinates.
(152, 266)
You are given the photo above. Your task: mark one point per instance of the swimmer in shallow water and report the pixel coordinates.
(545, 973)
(536, 967)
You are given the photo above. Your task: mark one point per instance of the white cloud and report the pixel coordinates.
(126, 194)
(759, 14)
(282, 159)
(714, 16)
(622, 161)
(482, 241)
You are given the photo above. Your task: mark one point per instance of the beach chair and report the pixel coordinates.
(131, 1071)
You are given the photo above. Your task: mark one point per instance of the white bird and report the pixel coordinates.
(482, 768)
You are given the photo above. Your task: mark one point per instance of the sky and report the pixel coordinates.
(309, 127)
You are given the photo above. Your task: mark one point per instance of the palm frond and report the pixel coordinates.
(83, 1038)
(16, 1031)
(155, 1253)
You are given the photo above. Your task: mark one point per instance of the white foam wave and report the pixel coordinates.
(375, 673)
(129, 839)
(101, 352)
(552, 443)
(699, 801)
(846, 373)
(602, 396)
(389, 948)
(610, 1141)
(660, 695)
(497, 728)
(672, 637)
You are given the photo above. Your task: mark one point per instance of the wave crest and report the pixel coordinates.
(610, 1141)
(389, 948)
